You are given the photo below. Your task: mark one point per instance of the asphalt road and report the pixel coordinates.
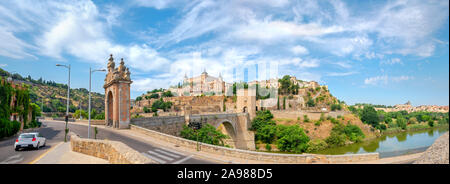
(53, 131)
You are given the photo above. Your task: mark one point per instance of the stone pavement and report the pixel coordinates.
(62, 154)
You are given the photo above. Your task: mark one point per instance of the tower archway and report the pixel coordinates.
(117, 91)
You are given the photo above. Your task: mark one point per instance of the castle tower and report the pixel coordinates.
(246, 101)
(117, 95)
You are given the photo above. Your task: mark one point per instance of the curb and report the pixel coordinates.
(44, 154)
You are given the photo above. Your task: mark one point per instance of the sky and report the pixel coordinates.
(379, 52)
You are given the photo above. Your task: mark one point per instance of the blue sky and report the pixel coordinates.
(381, 52)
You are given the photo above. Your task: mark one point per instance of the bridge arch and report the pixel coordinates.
(228, 128)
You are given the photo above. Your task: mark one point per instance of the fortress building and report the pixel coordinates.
(202, 84)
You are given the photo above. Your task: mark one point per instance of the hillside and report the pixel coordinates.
(53, 95)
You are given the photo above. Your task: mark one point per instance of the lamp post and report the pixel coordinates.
(90, 73)
(68, 101)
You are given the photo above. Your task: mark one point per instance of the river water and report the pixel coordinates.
(392, 145)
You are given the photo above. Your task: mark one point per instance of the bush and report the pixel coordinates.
(8, 128)
(268, 147)
(207, 134)
(317, 123)
(430, 123)
(292, 139)
(401, 122)
(262, 119)
(100, 116)
(316, 145)
(305, 118)
(266, 134)
(369, 116)
(310, 103)
(335, 107)
(336, 139)
(146, 110)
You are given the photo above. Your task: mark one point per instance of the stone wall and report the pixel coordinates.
(93, 122)
(113, 151)
(258, 156)
(171, 125)
(311, 114)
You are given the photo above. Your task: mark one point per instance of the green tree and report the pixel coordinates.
(292, 139)
(401, 122)
(207, 134)
(369, 116)
(262, 119)
(81, 113)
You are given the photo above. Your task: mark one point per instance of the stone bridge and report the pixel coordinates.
(235, 125)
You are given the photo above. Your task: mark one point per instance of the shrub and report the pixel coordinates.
(207, 134)
(334, 121)
(8, 128)
(305, 118)
(369, 116)
(268, 147)
(335, 107)
(292, 139)
(322, 116)
(336, 139)
(262, 119)
(430, 123)
(317, 123)
(316, 145)
(401, 122)
(266, 134)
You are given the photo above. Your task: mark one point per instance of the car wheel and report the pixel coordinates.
(16, 148)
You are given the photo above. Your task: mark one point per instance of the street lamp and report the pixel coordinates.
(68, 98)
(90, 73)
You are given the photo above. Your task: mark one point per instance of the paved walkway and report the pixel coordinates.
(62, 154)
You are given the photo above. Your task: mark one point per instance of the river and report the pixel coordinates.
(393, 144)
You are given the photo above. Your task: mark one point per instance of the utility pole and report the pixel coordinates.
(89, 127)
(68, 101)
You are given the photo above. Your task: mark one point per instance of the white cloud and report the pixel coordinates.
(336, 74)
(385, 79)
(392, 61)
(3, 64)
(299, 50)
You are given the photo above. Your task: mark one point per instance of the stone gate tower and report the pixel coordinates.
(117, 95)
(246, 101)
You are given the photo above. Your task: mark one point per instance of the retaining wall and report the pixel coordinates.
(113, 151)
(258, 156)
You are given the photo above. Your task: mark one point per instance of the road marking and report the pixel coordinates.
(173, 151)
(13, 161)
(182, 160)
(48, 151)
(11, 158)
(154, 158)
(168, 153)
(162, 156)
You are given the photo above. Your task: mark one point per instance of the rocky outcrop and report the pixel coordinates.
(438, 153)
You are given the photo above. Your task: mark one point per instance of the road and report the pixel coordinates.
(54, 132)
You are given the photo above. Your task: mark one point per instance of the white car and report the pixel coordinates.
(29, 140)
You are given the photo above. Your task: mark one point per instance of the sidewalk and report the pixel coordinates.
(62, 154)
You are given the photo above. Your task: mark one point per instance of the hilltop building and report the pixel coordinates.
(202, 84)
